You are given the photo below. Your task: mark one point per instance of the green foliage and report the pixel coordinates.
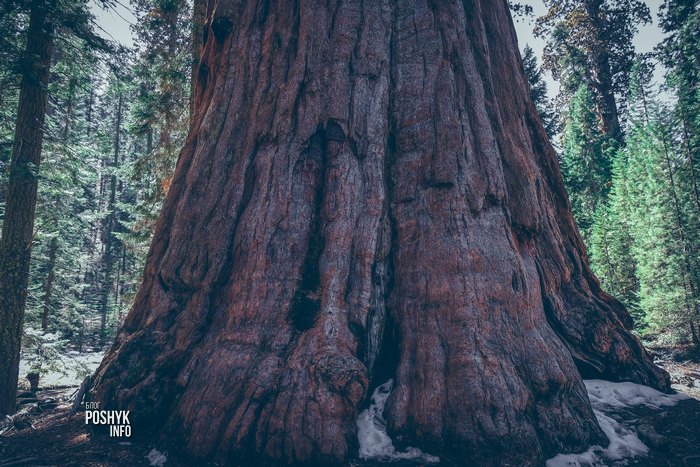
(645, 245)
(581, 33)
(634, 191)
(585, 160)
(66, 200)
(111, 138)
(538, 93)
(659, 247)
(611, 242)
(157, 122)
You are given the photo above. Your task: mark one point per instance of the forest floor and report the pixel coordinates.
(672, 434)
(45, 432)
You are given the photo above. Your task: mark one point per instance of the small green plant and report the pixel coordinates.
(42, 352)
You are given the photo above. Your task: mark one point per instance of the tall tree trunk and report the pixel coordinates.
(602, 81)
(18, 224)
(108, 255)
(48, 286)
(366, 193)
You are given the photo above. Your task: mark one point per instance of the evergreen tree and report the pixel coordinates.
(591, 42)
(664, 235)
(659, 247)
(589, 49)
(585, 160)
(611, 241)
(160, 113)
(680, 52)
(66, 195)
(538, 93)
(47, 22)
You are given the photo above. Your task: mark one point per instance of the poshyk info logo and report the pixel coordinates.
(118, 420)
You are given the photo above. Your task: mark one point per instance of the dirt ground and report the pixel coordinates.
(45, 432)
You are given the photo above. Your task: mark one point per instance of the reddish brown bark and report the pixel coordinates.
(367, 192)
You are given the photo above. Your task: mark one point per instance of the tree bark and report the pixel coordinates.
(366, 193)
(18, 224)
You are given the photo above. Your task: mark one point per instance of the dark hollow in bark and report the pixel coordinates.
(367, 192)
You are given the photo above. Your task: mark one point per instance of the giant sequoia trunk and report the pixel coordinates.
(367, 193)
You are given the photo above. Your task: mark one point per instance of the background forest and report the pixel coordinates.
(629, 149)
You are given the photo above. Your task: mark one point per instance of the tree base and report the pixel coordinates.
(367, 193)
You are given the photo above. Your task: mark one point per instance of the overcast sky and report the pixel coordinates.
(115, 25)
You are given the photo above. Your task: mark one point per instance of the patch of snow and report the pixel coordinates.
(608, 397)
(624, 444)
(68, 370)
(156, 458)
(374, 441)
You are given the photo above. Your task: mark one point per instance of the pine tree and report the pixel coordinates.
(589, 49)
(680, 52)
(591, 42)
(538, 93)
(611, 242)
(65, 203)
(662, 231)
(585, 161)
(47, 22)
(20, 203)
(159, 115)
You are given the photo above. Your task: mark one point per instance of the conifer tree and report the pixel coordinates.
(611, 242)
(538, 93)
(585, 160)
(160, 112)
(591, 40)
(663, 234)
(46, 21)
(65, 205)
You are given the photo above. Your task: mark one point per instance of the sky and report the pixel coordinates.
(115, 25)
(115, 22)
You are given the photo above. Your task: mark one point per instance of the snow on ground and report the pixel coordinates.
(606, 395)
(67, 369)
(46, 354)
(156, 458)
(606, 398)
(375, 443)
